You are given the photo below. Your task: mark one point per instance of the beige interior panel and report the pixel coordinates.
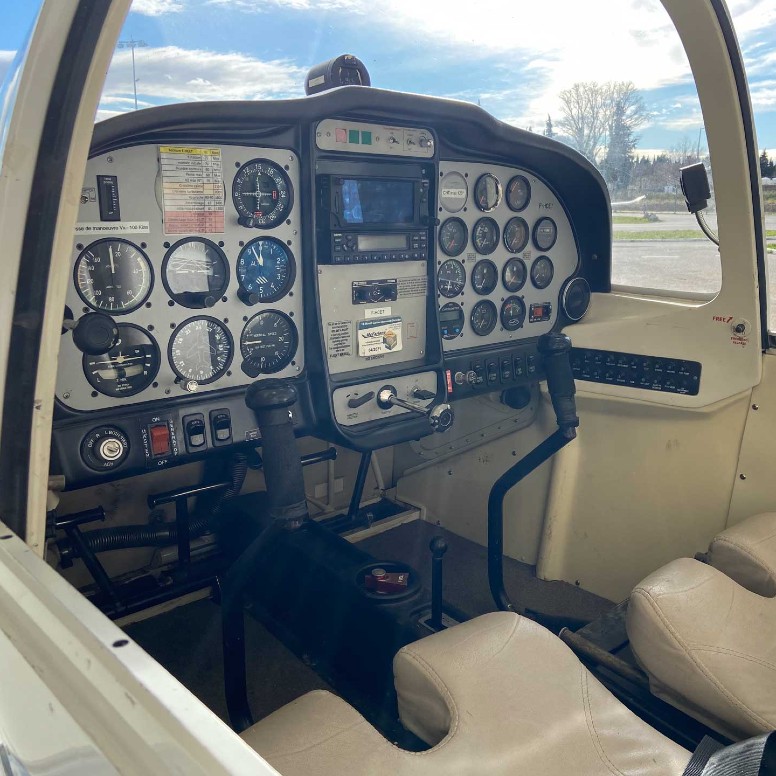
(455, 492)
(640, 486)
(754, 490)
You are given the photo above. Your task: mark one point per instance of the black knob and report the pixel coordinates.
(95, 333)
(438, 546)
(270, 395)
(247, 297)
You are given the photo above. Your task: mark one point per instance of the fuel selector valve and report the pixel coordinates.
(440, 416)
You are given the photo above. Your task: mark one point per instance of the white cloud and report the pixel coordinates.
(156, 7)
(6, 57)
(173, 74)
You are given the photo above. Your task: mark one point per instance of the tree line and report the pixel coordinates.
(767, 165)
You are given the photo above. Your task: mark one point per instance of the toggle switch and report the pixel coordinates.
(159, 434)
(221, 426)
(194, 431)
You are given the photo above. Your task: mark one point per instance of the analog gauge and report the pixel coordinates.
(451, 278)
(268, 343)
(195, 272)
(512, 313)
(127, 368)
(113, 275)
(542, 272)
(545, 233)
(516, 234)
(514, 275)
(487, 192)
(451, 320)
(518, 193)
(484, 277)
(484, 317)
(265, 270)
(262, 194)
(485, 236)
(200, 349)
(453, 192)
(453, 236)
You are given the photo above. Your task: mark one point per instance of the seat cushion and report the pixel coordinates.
(747, 553)
(708, 646)
(496, 695)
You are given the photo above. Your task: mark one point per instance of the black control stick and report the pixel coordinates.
(438, 547)
(272, 401)
(554, 349)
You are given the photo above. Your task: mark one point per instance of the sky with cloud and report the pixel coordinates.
(511, 56)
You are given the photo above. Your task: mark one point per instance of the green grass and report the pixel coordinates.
(630, 220)
(675, 234)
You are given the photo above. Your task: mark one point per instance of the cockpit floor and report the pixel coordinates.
(187, 642)
(465, 577)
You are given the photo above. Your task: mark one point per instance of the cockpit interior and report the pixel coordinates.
(354, 435)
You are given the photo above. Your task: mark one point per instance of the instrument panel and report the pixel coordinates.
(506, 248)
(193, 251)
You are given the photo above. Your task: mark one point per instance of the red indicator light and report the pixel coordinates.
(449, 378)
(341, 135)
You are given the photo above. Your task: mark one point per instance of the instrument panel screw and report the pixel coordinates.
(755, 406)
(109, 160)
(66, 395)
(742, 476)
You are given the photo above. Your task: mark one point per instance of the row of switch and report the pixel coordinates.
(505, 369)
(194, 430)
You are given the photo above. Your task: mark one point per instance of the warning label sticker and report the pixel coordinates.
(339, 339)
(192, 189)
(377, 336)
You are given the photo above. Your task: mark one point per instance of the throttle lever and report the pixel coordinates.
(554, 348)
(439, 416)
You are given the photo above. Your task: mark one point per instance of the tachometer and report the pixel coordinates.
(451, 320)
(514, 275)
(484, 277)
(512, 313)
(195, 272)
(516, 234)
(485, 236)
(545, 233)
(451, 278)
(268, 343)
(265, 270)
(542, 272)
(484, 317)
(127, 368)
(518, 193)
(487, 192)
(453, 236)
(262, 194)
(113, 275)
(200, 349)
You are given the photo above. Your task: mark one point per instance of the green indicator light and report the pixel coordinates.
(352, 136)
(366, 138)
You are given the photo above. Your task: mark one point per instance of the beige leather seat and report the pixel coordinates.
(706, 634)
(495, 695)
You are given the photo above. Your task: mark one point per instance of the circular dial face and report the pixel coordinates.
(485, 236)
(545, 233)
(195, 272)
(576, 299)
(262, 194)
(512, 313)
(516, 234)
(484, 317)
(127, 368)
(451, 278)
(453, 192)
(542, 272)
(451, 320)
(268, 343)
(514, 275)
(518, 193)
(484, 277)
(453, 236)
(200, 349)
(113, 275)
(487, 192)
(266, 269)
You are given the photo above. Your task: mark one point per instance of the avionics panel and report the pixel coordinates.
(200, 273)
(505, 249)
